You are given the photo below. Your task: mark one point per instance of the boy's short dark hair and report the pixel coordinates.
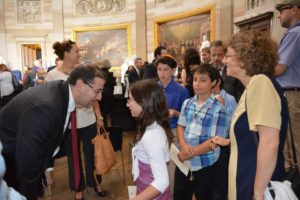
(167, 60)
(206, 69)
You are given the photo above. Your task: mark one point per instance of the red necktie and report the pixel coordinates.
(75, 149)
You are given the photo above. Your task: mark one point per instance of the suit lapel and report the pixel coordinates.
(64, 88)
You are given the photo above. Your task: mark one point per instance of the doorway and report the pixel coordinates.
(30, 53)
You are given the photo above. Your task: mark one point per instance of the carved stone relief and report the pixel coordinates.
(99, 6)
(162, 1)
(29, 11)
(252, 4)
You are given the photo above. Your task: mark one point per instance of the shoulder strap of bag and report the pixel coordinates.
(255, 138)
(292, 140)
(103, 132)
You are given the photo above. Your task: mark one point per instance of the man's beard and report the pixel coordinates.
(286, 23)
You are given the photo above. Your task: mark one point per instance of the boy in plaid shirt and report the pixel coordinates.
(202, 117)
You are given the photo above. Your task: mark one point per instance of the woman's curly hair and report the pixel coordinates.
(191, 57)
(61, 47)
(150, 96)
(256, 51)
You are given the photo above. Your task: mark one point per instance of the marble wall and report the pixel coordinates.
(249, 9)
(46, 21)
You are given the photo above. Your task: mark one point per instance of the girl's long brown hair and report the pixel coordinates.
(150, 96)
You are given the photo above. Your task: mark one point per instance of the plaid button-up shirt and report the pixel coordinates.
(201, 123)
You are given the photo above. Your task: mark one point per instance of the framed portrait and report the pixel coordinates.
(191, 29)
(104, 42)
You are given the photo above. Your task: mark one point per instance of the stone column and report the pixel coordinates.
(141, 35)
(25, 59)
(226, 20)
(58, 21)
(57, 33)
(3, 52)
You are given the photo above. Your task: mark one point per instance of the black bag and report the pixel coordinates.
(292, 174)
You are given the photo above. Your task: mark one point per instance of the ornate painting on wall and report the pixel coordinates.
(105, 42)
(192, 29)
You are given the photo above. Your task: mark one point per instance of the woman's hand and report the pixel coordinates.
(186, 153)
(258, 196)
(173, 113)
(219, 141)
(220, 99)
(100, 123)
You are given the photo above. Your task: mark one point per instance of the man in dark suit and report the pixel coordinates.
(149, 71)
(33, 123)
(231, 85)
(136, 73)
(234, 87)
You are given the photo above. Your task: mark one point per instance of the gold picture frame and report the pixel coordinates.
(111, 42)
(188, 29)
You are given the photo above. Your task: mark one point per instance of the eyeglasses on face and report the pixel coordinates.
(228, 55)
(96, 91)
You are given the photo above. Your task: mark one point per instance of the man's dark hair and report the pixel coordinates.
(86, 72)
(157, 51)
(167, 60)
(218, 43)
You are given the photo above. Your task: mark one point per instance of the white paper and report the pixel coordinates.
(131, 191)
(183, 166)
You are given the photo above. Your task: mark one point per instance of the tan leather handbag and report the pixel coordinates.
(105, 157)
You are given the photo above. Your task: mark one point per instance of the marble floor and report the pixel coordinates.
(113, 182)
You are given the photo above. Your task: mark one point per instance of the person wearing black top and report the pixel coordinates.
(149, 71)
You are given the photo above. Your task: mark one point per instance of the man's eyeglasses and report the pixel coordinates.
(96, 91)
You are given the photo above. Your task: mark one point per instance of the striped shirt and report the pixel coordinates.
(201, 123)
(230, 103)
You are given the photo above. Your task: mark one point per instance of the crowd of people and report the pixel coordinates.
(227, 114)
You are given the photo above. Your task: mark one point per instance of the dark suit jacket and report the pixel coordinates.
(150, 71)
(31, 128)
(106, 103)
(50, 68)
(133, 76)
(232, 85)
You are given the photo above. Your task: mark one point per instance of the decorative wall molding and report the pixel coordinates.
(162, 1)
(252, 4)
(98, 6)
(29, 11)
(260, 22)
